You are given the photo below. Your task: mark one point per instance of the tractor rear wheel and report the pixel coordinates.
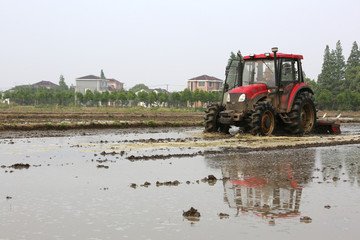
(211, 119)
(263, 119)
(303, 114)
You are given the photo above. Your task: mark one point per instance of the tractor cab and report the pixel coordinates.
(274, 74)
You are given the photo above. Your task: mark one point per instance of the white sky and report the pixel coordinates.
(159, 42)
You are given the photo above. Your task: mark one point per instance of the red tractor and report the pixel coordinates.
(264, 93)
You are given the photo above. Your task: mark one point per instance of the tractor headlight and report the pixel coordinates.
(242, 97)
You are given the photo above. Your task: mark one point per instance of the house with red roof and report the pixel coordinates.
(205, 83)
(45, 84)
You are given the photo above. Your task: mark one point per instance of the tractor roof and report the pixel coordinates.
(278, 55)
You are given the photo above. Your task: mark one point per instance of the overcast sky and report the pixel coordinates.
(160, 42)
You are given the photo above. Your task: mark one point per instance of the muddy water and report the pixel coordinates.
(92, 186)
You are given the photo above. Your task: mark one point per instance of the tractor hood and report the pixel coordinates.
(251, 90)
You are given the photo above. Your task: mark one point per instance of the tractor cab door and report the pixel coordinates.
(289, 77)
(232, 78)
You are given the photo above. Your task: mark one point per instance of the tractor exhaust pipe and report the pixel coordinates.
(275, 50)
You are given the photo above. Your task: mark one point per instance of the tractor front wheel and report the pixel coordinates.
(263, 119)
(211, 119)
(303, 114)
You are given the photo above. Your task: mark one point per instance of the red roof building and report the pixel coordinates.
(45, 84)
(205, 83)
(115, 85)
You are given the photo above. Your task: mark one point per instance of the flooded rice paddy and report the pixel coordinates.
(178, 184)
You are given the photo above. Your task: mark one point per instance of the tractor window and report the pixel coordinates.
(259, 71)
(289, 71)
(232, 75)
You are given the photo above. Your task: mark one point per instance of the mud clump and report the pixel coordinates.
(168, 183)
(306, 219)
(133, 185)
(211, 179)
(163, 157)
(103, 153)
(191, 213)
(102, 166)
(146, 184)
(272, 221)
(327, 206)
(20, 166)
(223, 215)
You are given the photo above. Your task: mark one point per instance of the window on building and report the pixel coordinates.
(210, 84)
(201, 84)
(217, 86)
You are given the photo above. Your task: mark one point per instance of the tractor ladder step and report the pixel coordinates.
(285, 117)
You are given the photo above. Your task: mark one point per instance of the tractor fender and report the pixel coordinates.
(259, 97)
(300, 87)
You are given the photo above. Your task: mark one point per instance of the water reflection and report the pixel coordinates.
(268, 184)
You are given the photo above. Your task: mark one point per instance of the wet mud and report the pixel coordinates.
(110, 183)
(191, 213)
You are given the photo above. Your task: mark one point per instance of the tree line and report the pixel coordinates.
(336, 88)
(338, 85)
(140, 93)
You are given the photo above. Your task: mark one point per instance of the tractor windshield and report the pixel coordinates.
(259, 71)
(232, 75)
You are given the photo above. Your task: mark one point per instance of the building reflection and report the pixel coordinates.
(269, 184)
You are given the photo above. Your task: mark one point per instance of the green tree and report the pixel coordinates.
(353, 76)
(104, 98)
(143, 96)
(152, 97)
(333, 70)
(324, 77)
(234, 56)
(344, 100)
(60, 97)
(97, 97)
(339, 71)
(89, 97)
(312, 84)
(196, 97)
(186, 96)
(131, 97)
(139, 87)
(163, 98)
(62, 85)
(7, 95)
(102, 75)
(112, 97)
(69, 98)
(175, 99)
(354, 57)
(79, 97)
(325, 99)
(122, 96)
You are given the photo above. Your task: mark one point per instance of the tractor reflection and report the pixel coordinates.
(268, 185)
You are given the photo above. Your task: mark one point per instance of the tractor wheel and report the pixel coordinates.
(211, 119)
(303, 114)
(263, 119)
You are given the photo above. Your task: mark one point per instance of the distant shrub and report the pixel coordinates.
(151, 123)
